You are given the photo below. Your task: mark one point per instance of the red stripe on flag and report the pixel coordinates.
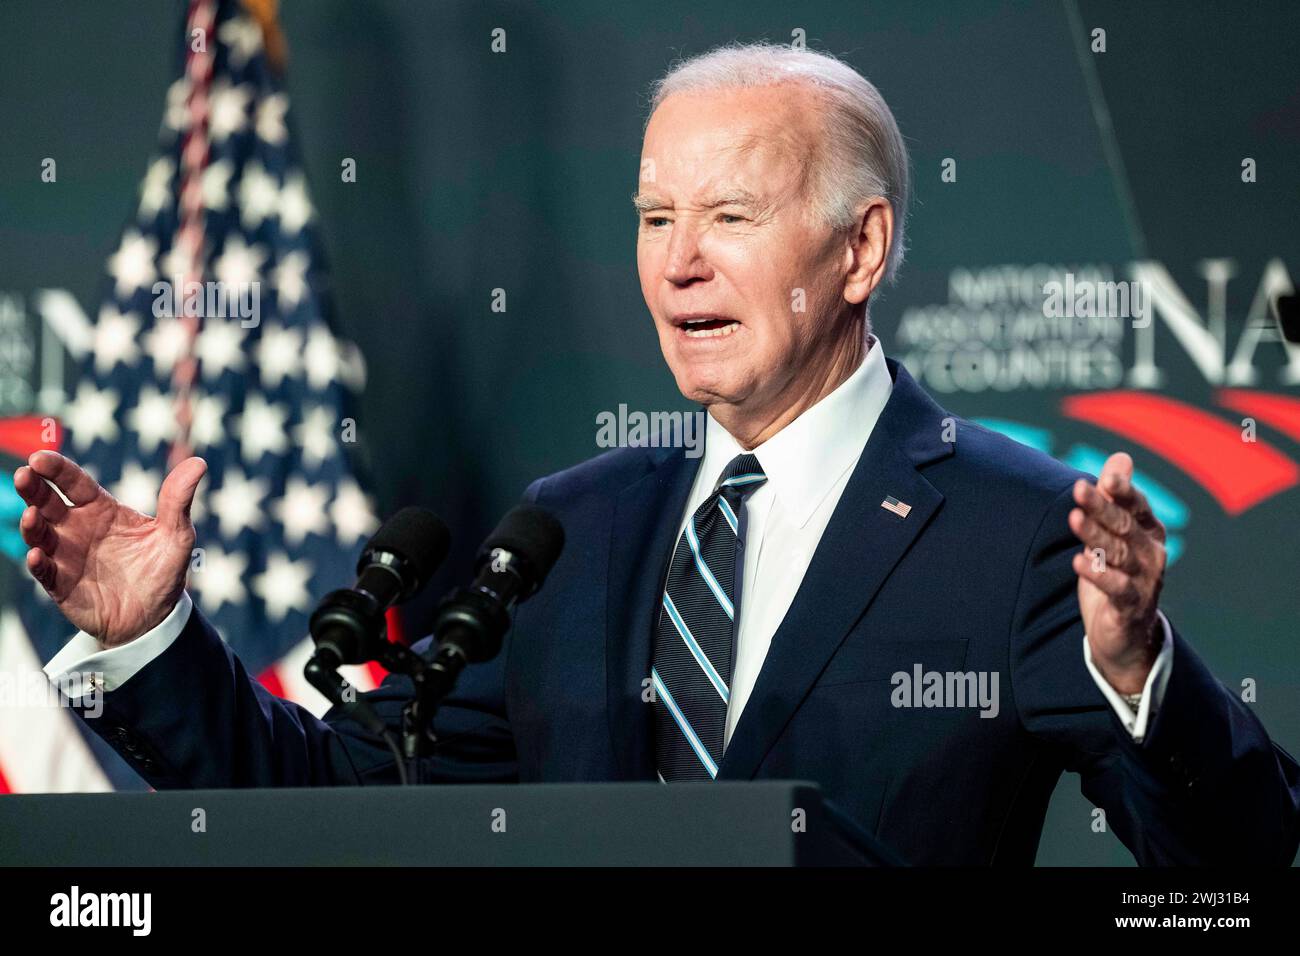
(1236, 473)
(270, 679)
(396, 626)
(396, 633)
(4, 784)
(1276, 411)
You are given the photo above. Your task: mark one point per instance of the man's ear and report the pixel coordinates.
(867, 255)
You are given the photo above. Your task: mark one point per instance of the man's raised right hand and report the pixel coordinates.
(114, 572)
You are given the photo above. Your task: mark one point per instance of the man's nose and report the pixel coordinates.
(686, 261)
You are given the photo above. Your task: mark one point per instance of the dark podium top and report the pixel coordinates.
(768, 823)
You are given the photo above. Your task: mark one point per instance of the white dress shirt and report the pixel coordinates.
(808, 464)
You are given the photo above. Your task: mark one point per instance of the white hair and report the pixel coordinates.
(863, 154)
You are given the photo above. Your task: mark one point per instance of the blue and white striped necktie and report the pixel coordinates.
(695, 639)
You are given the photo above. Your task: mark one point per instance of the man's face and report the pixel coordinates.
(724, 235)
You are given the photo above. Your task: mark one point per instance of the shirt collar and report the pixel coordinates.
(805, 460)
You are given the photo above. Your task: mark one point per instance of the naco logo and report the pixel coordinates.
(1235, 442)
(1012, 328)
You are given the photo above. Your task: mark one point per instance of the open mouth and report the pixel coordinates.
(708, 327)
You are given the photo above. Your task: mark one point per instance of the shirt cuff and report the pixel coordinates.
(1153, 691)
(114, 666)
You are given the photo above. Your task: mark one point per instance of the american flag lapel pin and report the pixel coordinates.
(900, 508)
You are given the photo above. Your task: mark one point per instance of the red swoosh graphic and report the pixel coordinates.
(1237, 474)
(21, 435)
(1276, 411)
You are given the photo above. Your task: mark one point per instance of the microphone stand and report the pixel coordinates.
(432, 681)
(418, 738)
(397, 659)
(400, 659)
(468, 627)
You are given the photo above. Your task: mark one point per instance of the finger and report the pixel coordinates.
(177, 493)
(43, 570)
(1116, 471)
(1111, 581)
(33, 490)
(77, 486)
(1123, 492)
(36, 531)
(1097, 506)
(1116, 551)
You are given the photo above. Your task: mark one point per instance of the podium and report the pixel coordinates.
(760, 823)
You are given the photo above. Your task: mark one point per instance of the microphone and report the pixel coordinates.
(471, 623)
(346, 625)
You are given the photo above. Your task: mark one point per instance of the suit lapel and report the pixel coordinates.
(646, 516)
(858, 550)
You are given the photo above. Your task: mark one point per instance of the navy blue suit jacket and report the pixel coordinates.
(976, 578)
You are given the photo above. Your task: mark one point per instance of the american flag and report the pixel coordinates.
(264, 399)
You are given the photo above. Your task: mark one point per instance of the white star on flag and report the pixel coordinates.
(156, 193)
(165, 343)
(206, 430)
(259, 195)
(114, 339)
(296, 209)
(228, 106)
(301, 510)
(176, 114)
(215, 185)
(315, 436)
(219, 578)
(238, 503)
(291, 279)
(220, 347)
(279, 354)
(176, 262)
(137, 488)
(321, 357)
(239, 265)
(90, 415)
(261, 428)
(153, 419)
(243, 37)
(270, 119)
(351, 513)
(131, 266)
(283, 586)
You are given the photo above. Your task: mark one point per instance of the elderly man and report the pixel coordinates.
(800, 602)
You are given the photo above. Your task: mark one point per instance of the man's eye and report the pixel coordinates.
(727, 215)
(653, 220)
